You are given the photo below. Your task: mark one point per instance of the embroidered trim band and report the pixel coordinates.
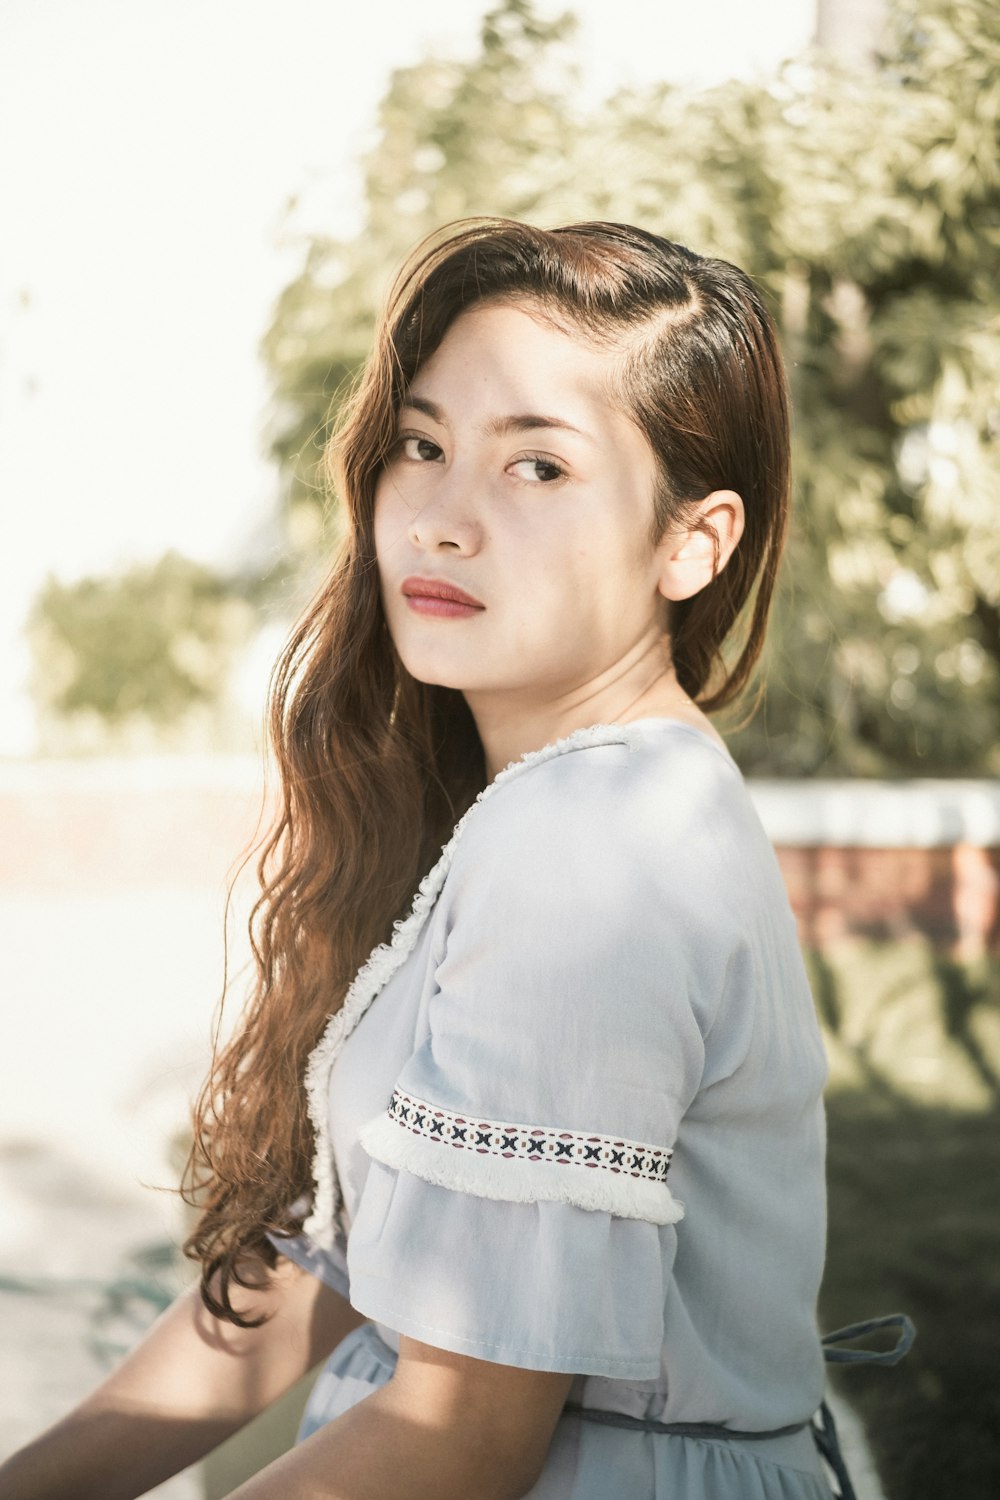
(527, 1142)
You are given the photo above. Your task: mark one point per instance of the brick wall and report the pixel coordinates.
(889, 860)
(949, 895)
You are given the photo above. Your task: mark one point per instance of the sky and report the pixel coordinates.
(148, 155)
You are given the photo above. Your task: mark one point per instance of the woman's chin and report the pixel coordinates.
(437, 676)
(437, 673)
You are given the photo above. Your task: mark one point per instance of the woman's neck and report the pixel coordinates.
(509, 730)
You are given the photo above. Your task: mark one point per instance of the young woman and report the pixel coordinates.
(535, 1157)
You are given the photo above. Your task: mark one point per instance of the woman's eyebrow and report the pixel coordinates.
(429, 408)
(528, 422)
(499, 426)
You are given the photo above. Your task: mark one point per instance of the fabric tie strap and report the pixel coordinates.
(907, 1333)
(824, 1428)
(676, 1429)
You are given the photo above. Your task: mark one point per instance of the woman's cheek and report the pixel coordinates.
(389, 522)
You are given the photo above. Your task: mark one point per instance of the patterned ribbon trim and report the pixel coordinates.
(563, 1148)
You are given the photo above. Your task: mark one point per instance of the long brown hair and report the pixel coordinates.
(375, 767)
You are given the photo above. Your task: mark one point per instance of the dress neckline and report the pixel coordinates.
(602, 734)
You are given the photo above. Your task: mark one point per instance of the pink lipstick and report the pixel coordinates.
(433, 596)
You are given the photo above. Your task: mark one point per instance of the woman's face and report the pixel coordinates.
(518, 482)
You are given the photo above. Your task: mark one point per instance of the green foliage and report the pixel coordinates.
(869, 209)
(151, 643)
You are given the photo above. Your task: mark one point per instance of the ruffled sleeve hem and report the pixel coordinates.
(538, 1285)
(372, 1299)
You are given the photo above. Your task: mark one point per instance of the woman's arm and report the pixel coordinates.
(190, 1383)
(445, 1427)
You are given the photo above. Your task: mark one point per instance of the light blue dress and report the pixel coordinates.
(570, 1119)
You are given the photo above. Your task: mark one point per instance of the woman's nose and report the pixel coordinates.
(445, 521)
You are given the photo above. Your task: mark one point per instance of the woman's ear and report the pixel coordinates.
(690, 555)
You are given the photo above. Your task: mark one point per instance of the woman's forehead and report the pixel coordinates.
(506, 352)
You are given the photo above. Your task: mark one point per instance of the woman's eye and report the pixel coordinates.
(419, 449)
(538, 470)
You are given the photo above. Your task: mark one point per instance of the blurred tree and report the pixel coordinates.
(883, 251)
(866, 204)
(140, 649)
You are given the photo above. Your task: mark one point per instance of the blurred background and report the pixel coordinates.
(202, 206)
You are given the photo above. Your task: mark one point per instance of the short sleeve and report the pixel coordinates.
(518, 1205)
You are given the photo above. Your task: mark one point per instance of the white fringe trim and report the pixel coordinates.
(518, 1181)
(383, 962)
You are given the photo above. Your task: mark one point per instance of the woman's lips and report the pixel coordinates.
(433, 596)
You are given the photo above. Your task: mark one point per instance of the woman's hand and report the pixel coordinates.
(445, 1427)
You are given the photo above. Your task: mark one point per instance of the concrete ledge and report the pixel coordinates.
(879, 814)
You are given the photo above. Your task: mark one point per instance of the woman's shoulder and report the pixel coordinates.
(647, 780)
(656, 796)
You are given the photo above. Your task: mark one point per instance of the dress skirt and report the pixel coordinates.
(590, 1461)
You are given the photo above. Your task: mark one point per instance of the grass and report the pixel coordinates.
(913, 1228)
(913, 1170)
